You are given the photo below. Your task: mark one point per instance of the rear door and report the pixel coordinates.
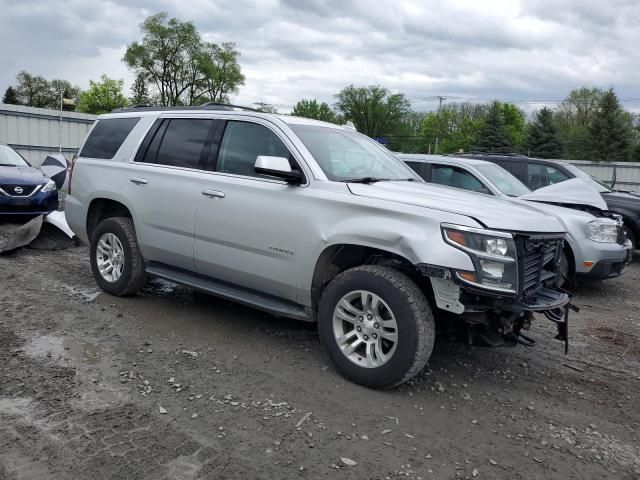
(246, 222)
(163, 180)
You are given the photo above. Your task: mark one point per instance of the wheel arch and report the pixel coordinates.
(337, 258)
(102, 208)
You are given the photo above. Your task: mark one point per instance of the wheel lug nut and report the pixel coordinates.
(366, 337)
(359, 328)
(375, 335)
(376, 325)
(360, 318)
(369, 317)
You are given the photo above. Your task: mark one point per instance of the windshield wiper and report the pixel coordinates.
(365, 180)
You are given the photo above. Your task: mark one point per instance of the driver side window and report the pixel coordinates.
(242, 143)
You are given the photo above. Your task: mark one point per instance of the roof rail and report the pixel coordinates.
(204, 106)
(487, 154)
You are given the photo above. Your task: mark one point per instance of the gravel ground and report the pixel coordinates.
(172, 384)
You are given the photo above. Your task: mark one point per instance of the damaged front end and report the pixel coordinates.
(514, 278)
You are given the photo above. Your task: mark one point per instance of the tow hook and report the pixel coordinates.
(560, 316)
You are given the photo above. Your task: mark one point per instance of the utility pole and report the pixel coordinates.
(60, 124)
(440, 100)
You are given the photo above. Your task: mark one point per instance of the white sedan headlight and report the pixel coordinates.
(603, 230)
(50, 186)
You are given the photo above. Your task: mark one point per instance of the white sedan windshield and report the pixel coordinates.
(349, 156)
(10, 158)
(503, 180)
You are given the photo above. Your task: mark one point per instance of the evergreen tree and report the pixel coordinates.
(610, 130)
(542, 140)
(635, 156)
(492, 136)
(140, 91)
(11, 96)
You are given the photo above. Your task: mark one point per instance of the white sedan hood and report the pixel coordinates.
(569, 192)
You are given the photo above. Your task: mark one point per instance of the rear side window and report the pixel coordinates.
(543, 175)
(243, 142)
(107, 137)
(183, 142)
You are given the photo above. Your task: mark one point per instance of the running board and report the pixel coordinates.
(236, 294)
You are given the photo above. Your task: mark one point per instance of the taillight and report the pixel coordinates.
(73, 162)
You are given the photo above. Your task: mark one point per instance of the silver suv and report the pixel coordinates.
(312, 221)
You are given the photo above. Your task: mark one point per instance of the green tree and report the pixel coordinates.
(102, 96)
(542, 138)
(11, 96)
(573, 117)
(222, 73)
(373, 110)
(492, 137)
(182, 68)
(635, 155)
(454, 127)
(313, 109)
(37, 91)
(140, 91)
(514, 125)
(611, 130)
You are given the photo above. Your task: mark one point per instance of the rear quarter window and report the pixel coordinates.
(107, 137)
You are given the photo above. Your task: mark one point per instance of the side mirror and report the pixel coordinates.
(484, 190)
(277, 167)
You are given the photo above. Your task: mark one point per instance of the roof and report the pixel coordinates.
(423, 158)
(225, 109)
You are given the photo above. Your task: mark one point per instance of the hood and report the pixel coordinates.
(21, 175)
(627, 199)
(490, 211)
(569, 192)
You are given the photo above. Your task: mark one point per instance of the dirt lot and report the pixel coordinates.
(177, 385)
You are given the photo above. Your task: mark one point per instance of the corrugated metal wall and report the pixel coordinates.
(625, 174)
(37, 132)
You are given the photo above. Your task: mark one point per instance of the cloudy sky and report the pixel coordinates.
(523, 51)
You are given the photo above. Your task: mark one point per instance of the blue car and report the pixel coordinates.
(24, 190)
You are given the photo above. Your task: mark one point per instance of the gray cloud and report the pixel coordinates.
(291, 49)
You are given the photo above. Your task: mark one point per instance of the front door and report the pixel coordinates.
(245, 226)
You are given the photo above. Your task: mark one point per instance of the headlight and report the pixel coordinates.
(493, 255)
(603, 230)
(50, 186)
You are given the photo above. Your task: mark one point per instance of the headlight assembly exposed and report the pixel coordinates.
(50, 186)
(493, 255)
(603, 230)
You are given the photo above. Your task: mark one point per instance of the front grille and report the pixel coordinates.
(22, 190)
(539, 257)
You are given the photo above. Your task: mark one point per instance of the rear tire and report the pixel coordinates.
(131, 276)
(389, 302)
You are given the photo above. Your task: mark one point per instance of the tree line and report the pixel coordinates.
(174, 66)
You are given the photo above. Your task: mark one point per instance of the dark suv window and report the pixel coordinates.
(107, 137)
(181, 142)
(455, 177)
(540, 175)
(241, 145)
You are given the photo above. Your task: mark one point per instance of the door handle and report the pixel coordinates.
(139, 180)
(213, 193)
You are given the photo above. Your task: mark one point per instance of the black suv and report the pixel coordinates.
(537, 173)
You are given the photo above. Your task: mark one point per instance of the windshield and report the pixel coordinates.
(588, 179)
(10, 158)
(503, 180)
(349, 156)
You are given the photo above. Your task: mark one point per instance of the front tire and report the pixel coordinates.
(116, 260)
(631, 237)
(376, 326)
